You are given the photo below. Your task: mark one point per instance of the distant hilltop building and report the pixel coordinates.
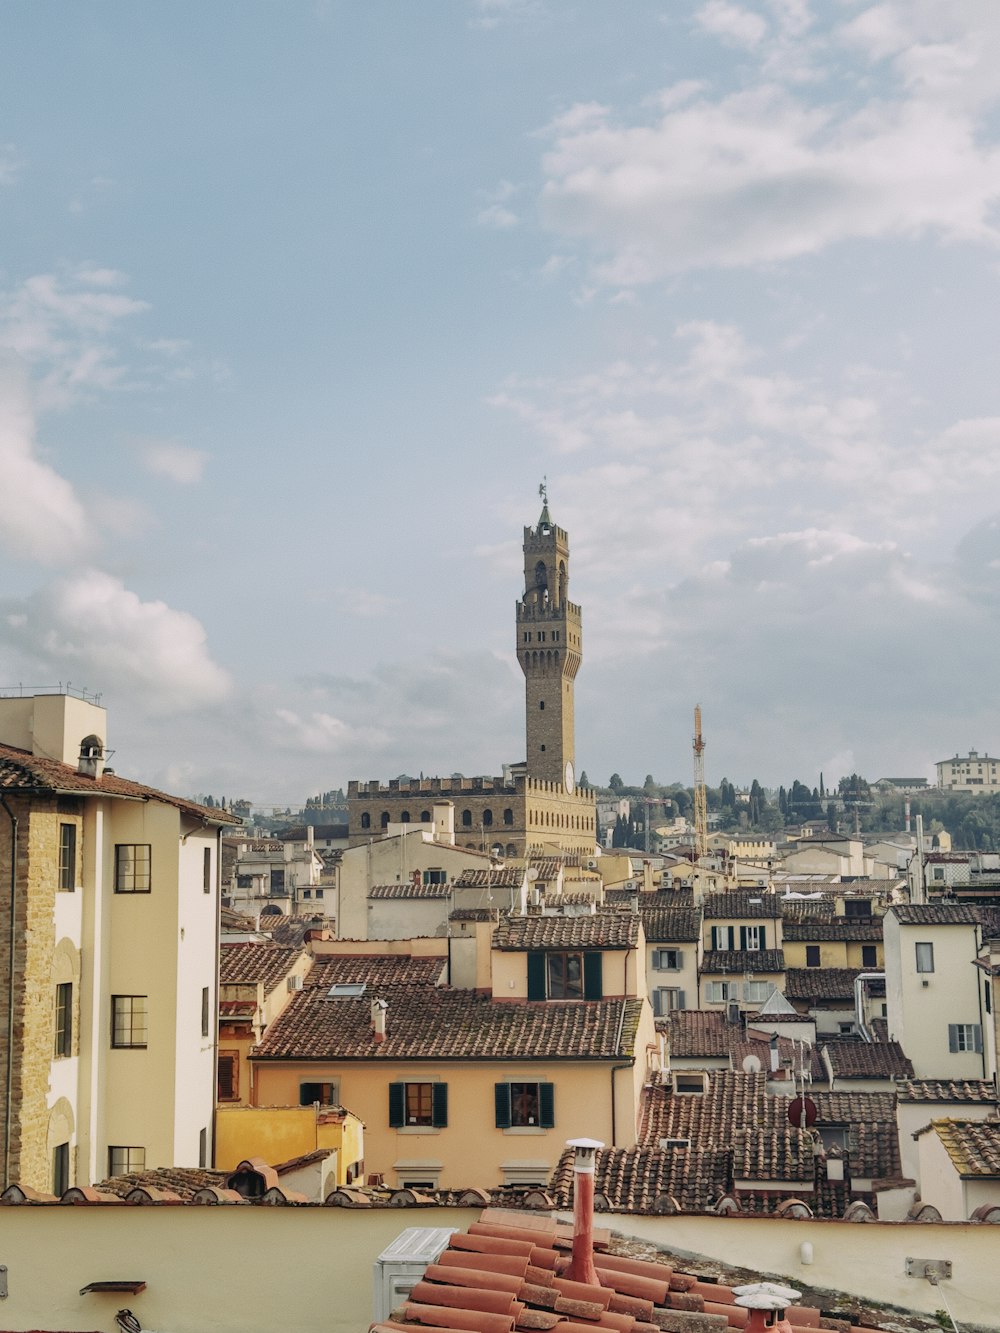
(537, 802)
(972, 772)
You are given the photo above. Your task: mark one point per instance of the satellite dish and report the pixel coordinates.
(801, 1112)
(751, 1064)
(532, 872)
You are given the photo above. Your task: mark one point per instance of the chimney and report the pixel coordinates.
(767, 1303)
(444, 822)
(378, 1021)
(91, 761)
(581, 1268)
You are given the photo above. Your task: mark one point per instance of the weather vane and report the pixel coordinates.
(543, 490)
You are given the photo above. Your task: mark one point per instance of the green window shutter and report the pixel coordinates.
(763, 937)
(536, 976)
(439, 1115)
(502, 1095)
(593, 983)
(977, 1039)
(546, 1105)
(715, 938)
(397, 1105)
(743, 937)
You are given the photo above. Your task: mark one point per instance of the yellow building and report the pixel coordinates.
(854, 942)
(111, 990)
(546, 1040)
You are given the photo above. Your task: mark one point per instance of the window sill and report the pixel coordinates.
(518, 1130)
(419, 1129)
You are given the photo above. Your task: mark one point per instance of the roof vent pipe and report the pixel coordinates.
(767, 1303)
(378, 1021)
(581, 1268)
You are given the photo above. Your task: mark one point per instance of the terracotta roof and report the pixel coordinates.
(743, 960)
(954, 1090)
(670, 925)
(807, 909)
(500, 877)
(524, 1254)
(474, 914)
(427, 1023)
(409, 890)
(935, 914)
(744, 906)
(972, 1145)
(256, 961)
(822, 983)
(20, 770)
(377, 970)
(639, 1180)
(696, 1032)
(237, 1008)
(601, 930)
(779, 1153)
(184, 1181)
(862, 1059)
(849, 928)
(731, 1101)
(845, 1108)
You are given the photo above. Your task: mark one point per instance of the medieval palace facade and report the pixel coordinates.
(536, 803)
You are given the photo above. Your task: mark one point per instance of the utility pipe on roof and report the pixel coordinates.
(9, 1079)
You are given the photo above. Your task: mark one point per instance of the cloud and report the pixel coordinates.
(90, 623)
(62, 328)
(177, 462)
(733, 23)
(766, 173)
(41, 517)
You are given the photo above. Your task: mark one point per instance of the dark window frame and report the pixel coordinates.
(63, 1044)
(228, 1084)
(329, 1095)
(60, 1168)
(129, 876)
(67, 858)
(206, 870)
(418, 1104)
(206, 1011)
(122, 1033)
(131, 1157)
(517, 1101)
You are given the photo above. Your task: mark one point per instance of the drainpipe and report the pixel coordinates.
(581, 1268)
(9, 1079)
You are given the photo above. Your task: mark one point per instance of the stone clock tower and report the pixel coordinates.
(549, 648)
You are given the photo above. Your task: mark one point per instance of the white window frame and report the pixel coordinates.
(923, 954)
(666, 1000)
(721, 992)
(662, 957)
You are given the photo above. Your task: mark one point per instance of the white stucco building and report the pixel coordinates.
(935, 993)
(971, 772)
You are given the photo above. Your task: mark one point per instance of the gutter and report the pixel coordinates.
(614, 1071)
(9, 1075)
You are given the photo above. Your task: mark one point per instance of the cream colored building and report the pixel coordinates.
(935, 993)
(971, 772)
(960, 1167)
(113, 980)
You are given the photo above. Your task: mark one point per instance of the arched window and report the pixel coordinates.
(511, 849)
(425, 816)
(366, 820)
(541, 705)
(384, 819)
(404, 817)
(508, 816)
(466, 819)
(541, 576)
(487, 818)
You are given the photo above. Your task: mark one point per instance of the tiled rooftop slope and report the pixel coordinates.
(505, 1275)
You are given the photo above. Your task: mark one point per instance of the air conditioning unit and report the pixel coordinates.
(592, 863)
(399, 1268)
(294, 983)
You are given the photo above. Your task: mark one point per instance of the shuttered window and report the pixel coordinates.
(412, 1105)
(965, 1037)
(525, 1105)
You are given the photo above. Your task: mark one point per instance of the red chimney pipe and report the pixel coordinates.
(581, 1268)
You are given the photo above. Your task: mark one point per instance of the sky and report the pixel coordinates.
(300, 302)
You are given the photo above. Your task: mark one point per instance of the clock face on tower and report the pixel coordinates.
(570, 783)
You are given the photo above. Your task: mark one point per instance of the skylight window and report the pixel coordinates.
(346, 990)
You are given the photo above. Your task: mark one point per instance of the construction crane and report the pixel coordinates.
(700, 802)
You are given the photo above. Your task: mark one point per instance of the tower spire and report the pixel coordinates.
(544, 520)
